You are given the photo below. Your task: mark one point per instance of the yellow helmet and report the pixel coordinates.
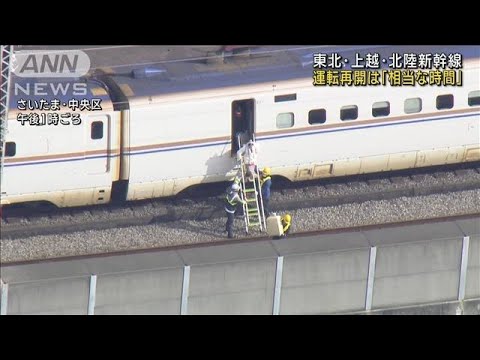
(287, 218)
(267, 171)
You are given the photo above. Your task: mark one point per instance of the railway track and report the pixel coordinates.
(206, 203)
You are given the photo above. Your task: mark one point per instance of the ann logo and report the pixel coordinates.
(58, 63)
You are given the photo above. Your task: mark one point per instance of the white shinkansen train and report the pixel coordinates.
(156, 136)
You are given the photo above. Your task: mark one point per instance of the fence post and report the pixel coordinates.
(185, 289)
(92, 295)
(371, 278)
(4, 298)
(463, 268)
(278, 286)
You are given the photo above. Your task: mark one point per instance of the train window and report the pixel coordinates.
(285, 120)
(444, 101)
(412, 105)
(97, 130)
(318, 116)
(474, 98)
(289, 97)
(10, 149)
(381, 108)
(349, 112)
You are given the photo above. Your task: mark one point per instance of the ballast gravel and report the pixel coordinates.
(185, 232)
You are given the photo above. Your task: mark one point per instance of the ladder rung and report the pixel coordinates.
(251, 211)
(249, 190)
(251, 200)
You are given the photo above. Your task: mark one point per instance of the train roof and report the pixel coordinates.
(254, 66)
(193, 73)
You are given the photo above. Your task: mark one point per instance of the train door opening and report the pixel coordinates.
(243, 123)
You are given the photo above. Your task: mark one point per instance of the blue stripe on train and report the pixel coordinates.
(260, 138)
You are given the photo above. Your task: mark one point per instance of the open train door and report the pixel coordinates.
(243, 122)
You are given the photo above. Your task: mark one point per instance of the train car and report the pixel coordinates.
(59, 159)
(178, 128)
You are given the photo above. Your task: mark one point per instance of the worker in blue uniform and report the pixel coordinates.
(265, 184)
